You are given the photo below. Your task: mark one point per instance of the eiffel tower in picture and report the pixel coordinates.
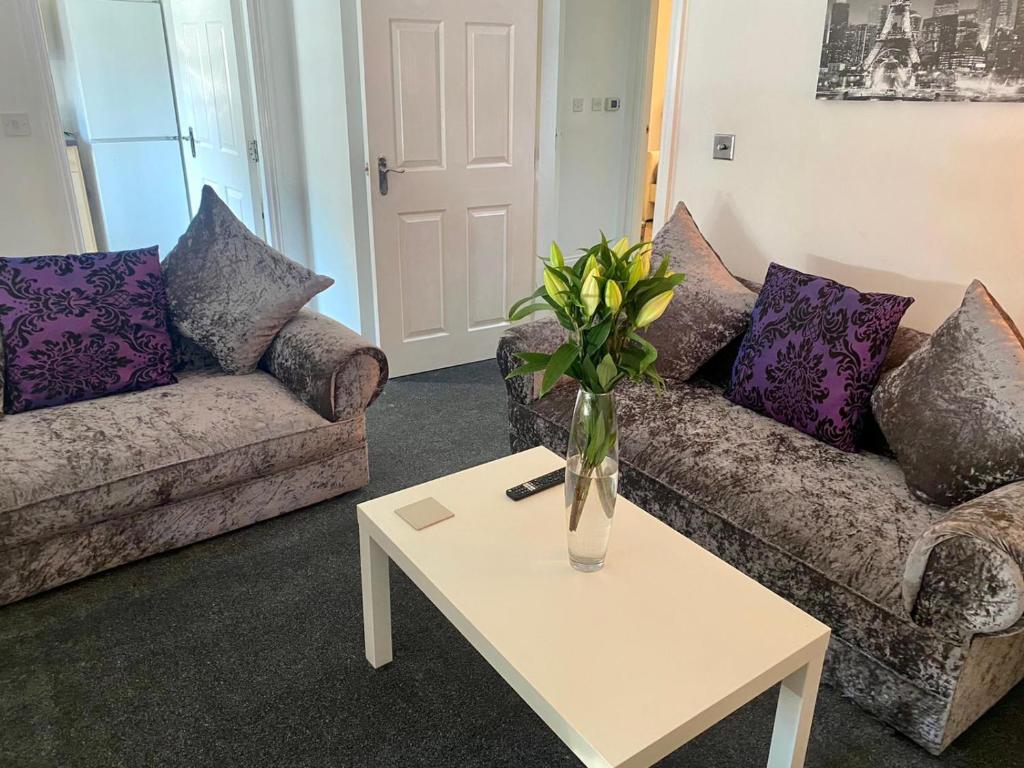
(890, 65)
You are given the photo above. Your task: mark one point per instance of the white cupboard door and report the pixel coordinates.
(216, 125)
(450, 107)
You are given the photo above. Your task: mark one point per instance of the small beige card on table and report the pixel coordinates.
(425, 513)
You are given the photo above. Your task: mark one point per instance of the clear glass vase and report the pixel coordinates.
(591, 479)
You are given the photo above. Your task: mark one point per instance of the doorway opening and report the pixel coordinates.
(156, 100)
(649, 137)
(610, 62)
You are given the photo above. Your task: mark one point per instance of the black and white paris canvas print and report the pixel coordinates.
(923, 50)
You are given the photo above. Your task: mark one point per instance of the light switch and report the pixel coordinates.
(596, 104)
(577, 105)
(16, 124)
(612, 104)
(725, 147)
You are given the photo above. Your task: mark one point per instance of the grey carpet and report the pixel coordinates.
(247, 650)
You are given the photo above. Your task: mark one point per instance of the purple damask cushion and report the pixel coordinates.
(813, 354)
(83, 326)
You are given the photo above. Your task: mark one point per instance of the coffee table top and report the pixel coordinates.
(625, 664)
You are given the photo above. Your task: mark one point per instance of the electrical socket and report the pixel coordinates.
(597, 104)
(577, 105)
(16, 124)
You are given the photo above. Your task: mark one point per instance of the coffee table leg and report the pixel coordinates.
(376, 600)
(793, 716)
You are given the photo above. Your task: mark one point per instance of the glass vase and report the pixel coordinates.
(591, 479)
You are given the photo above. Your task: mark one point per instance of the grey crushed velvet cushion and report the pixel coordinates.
(329, 367)
(954, 411)
(711, 307)
(993, 527)
(229, 291)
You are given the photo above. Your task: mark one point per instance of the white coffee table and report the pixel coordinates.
(625, 665)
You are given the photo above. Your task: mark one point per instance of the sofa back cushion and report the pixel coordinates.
(954, 411)
(813, 354)
(83, 326)
(711, 308)
(230, 292)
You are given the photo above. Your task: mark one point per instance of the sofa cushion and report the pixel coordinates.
(848, 516)
(82, 326)
(954, 411)
(73, 466)
(813, 354)
(711, 307)
(229, 291)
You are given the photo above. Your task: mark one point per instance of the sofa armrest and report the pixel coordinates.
(329, 367)
(965, 573)
(543, 336)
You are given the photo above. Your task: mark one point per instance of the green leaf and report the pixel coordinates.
(606, 372)
(589, 379)
(524, 370)
(649, 350)
(527, 311)
(631, 360)
(533, 357)
(535, 295)
(656, 380)
(598, 335)
(595, 442)
(534, 362)
(557, 366)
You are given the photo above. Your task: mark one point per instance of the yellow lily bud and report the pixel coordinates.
(612, 295)
(557, 259)
(653, 309)
(590, 267)
(555, 285)
(640, 268)
(621, 247)
(591, 292)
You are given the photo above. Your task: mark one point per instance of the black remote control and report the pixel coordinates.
(538, 484)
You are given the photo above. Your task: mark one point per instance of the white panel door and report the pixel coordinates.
(450, 105)
(213, 106)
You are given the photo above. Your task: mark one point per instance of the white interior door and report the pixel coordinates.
(450, 105)
(214, 107)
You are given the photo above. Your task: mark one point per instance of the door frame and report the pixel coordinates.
(643, 83)
(251, 75)
(552, 49)
(30, 16)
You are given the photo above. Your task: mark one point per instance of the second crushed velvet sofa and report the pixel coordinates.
(91, 485)
(926, 603)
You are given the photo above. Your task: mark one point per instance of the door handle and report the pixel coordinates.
(382, 173)
(191, 141)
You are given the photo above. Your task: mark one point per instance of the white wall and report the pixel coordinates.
(321, 93)
(61, 67)
(35, 214)
(602, 55)
(910, 198)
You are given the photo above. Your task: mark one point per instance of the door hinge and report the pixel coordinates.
(254, 150)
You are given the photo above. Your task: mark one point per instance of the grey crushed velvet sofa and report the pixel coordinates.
(925, 603)
(91, 485)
